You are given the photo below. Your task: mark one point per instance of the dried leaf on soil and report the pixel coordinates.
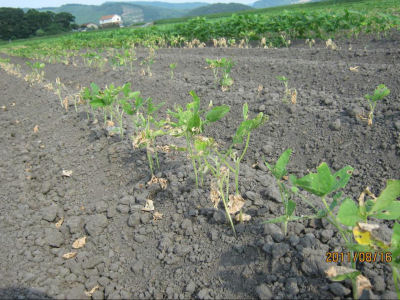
(214, 194)
(36, 129)
(354, 69)
(90, 293)
(69, 255)
(363, 284)
(294, 97)
(67, 173)
(242, 217)
(161, 181)
(157, 216)
(110, 123)
(235, 204)
(59, 223)
(149, 205)
(335, 271)
(79, 243)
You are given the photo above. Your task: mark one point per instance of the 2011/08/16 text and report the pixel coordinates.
(370, 257)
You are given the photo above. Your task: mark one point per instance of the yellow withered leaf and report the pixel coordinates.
(110, 123)
(79, 243)
(90, 293)
(362, 237)
(59, 223)
(36, 129)
(69, 255)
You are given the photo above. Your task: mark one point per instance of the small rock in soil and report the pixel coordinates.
(95, 224)
(76, 292)
(134, 219)
(339, 289)
(74, 224)
(335, 125)
(53, 237)
(49, 213)
(291, 286)
(263, 292)
(101, 207)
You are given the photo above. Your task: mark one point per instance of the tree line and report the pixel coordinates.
(17, 24)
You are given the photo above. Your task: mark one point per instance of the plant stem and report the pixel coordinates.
(189, 146)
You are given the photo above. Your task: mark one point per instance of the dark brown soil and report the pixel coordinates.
(191, 251)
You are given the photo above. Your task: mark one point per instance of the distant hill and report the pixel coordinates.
(217, 8)
(179, 6)
(130, 12)
(271, 3)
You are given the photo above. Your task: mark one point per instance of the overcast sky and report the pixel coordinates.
(55, 3)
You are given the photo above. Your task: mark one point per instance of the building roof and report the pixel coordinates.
(103, 18)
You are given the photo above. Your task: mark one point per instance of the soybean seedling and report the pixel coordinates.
(151, 129)
(37, 71)
(149, 61)
(225, 66)
(220, 164)
(288, 93)
(380, 92)
(172, 68)
(354, 217)
(190, 123)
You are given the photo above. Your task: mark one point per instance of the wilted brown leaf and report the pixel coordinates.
(354, 69)
(36, 129)
(294, 96)
(69, 255)
(149, 205)
(67, 173)
(235, 204)
(214, 194)
(157, 216)
(59, 223)
(242, 217)
(334, 271)
(110, 123)
(368, 227)
(362, 283)
(79, 243)
(90, 293)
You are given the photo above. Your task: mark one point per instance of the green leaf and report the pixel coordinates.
(95, 103)
(290, 207)
(348, 213)
(245, 111)
(395, 242)
(342, 177)
(195, 104)
(95, 88)
(392, 212)
(194, 123)
(359, 248)
(351, 274)
(217, 112)
(319, 183)
(279, 170)
(387, 196)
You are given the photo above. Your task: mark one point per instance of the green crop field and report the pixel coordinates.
(273, 27)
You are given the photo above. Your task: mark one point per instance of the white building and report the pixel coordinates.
(111, 19)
